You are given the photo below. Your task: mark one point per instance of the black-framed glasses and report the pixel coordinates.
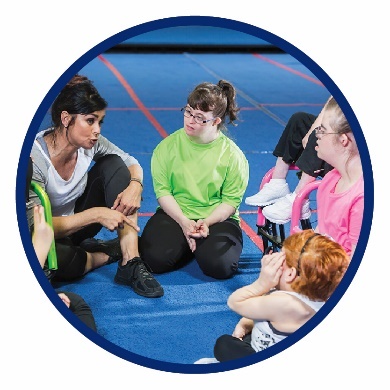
(320, 132)
(197, 118)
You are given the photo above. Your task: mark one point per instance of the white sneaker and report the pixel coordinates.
(206, 361)
(280, 212)
(269, 194)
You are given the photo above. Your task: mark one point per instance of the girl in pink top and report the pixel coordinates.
(340, 197)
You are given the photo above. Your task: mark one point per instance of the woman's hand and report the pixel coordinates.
(128, 202)
(190, 233)
(201, 229)
(113, 219)
(195, 230)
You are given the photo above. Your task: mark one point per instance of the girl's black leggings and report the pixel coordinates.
(164, 248)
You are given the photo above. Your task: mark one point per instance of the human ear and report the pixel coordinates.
(65, 118)
(290, 274)
(217, 121)
(344, 139)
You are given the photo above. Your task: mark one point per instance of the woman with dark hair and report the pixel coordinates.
(199, 177)
(91, 183)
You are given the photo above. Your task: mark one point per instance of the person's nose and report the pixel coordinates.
(192, 118)
(96, 130)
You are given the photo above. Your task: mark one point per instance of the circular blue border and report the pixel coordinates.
(194, 21)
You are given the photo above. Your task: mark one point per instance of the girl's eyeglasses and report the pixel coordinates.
(320, 132)
(197, 118)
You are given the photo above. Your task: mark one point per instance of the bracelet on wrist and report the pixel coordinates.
(137, 180)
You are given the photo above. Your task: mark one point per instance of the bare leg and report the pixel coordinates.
(305, 179)
(95, 260)
(129, 241)
(281, 169)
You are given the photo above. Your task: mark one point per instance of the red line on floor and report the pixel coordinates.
(305, 76)
(145, 214)
(254, 237)
(134, 96)
(248, 212)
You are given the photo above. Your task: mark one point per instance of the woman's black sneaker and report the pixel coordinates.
(111, 248)
(136, 275)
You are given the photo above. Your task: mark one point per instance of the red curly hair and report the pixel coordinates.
(320, 263)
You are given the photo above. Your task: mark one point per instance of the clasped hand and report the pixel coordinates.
(194, 230)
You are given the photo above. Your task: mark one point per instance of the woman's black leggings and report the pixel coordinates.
(291, 150)
(164, 248)
(106, 179)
